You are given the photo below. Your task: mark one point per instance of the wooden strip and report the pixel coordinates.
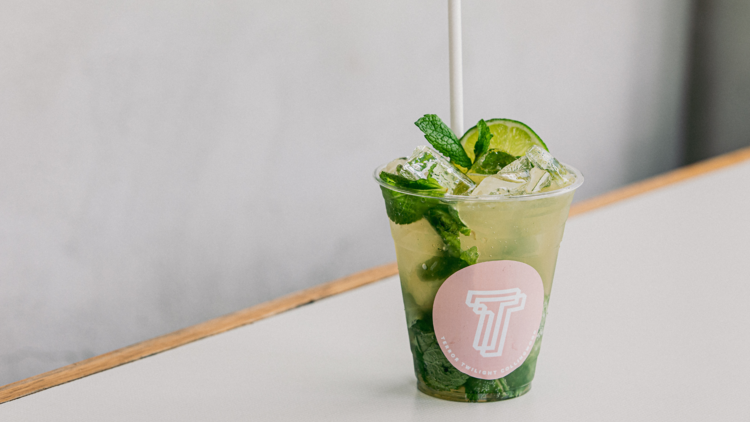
(662, 180)
(264, 310)
(188, 335)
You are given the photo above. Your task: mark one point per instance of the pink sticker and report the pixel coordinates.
(487, 316)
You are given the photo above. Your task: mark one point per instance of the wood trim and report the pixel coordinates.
(264, 310)
(190, 334)
(674, 176)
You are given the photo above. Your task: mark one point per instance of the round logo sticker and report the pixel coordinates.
(487, 316)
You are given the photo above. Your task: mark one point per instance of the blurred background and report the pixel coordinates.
(166, 162)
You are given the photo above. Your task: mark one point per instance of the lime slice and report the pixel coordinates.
(510, 136)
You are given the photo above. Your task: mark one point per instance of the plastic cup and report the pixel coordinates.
(489, 317)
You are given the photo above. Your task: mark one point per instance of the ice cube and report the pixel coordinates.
(426, 162)
(397, 167)
(517, 171)
(545, 161)
(493, 185)
(538, 180)
(567, 179)
(393, 166)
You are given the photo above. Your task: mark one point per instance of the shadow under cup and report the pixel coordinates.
(526, 229)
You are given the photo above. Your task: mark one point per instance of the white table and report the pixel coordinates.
(649, 321)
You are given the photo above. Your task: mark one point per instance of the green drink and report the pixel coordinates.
(440, 235)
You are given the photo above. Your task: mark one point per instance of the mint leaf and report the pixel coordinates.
(523, 374)
(479, 389)
(448, 225)
(483, 140)
(470, 255)
(488, 161)
(434, 367)
(430, 362)
(431, 185)
(441, 375)
(424, 333)
(437, 371)
(445, 219)
(443, 139)
(492, 162)
(440, 268)
(446, 222)
(403, 208)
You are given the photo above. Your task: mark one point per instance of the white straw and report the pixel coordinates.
(456, 68)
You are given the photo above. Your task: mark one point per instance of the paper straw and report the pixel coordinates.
(456, 67)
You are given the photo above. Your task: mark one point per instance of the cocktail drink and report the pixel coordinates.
(477, 224)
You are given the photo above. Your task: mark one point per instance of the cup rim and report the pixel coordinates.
(489, 198)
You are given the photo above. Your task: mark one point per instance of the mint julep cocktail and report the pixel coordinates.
(477, 223)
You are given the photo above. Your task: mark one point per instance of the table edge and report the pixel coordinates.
(264, 310)
(193, 333)
(662, 180)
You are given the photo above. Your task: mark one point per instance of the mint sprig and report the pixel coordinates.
(443, 139)
(404, 208)
(483, 140)
(488, 161)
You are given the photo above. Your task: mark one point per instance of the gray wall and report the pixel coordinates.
(719, 71)
(165, 162)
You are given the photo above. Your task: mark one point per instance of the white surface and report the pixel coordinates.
(648, 322)
(148, 147)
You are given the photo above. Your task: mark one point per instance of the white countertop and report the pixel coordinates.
(648, 321)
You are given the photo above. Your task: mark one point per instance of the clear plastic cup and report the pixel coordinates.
(514, 229)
